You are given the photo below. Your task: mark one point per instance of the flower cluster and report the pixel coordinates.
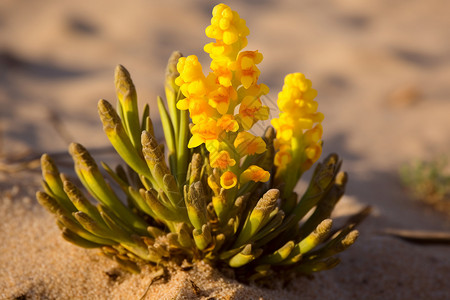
(226, 103)
(299, 130)
(214, 192)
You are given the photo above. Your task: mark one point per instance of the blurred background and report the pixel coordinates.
(381, 68)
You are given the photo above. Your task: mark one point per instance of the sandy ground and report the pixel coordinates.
(381, 69)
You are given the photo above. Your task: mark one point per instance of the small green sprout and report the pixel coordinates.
(429, 181)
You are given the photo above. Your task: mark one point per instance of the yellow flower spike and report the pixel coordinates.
(221, 160)
(228, 180)
(248, 144)
(254, 173)
(229, 31)
(297, 96)
(246, 71)
(299, 133)
(226, 25)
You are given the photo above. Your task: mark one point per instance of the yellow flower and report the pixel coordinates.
(246, 71)
(226, 25)
(313, 152)
(297, 100)
(248, 144)
(283, 157)
(256, 90)
(222, 71)
(227, 123)
(204, 132)
(228, 180)
(254, 173)
(219, 50)
(251, 110)
(284, 126)
(220, 98)
(313, 145)
(199, 109)
(221, 160)
(230, 33)
(213, 100)
(314, 135)
(298, 127)
(191, 80)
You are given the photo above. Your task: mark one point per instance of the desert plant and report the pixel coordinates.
(223, 195)
(428, 181)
